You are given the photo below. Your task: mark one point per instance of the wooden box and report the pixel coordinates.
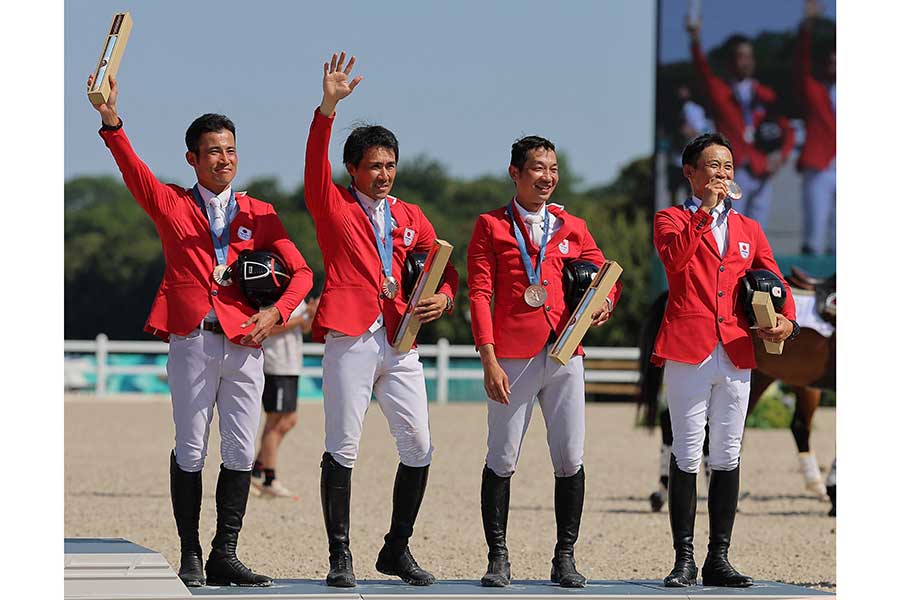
(426, 286)
(594, 296)
(110, 57)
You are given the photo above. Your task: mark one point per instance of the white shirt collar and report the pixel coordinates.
(370, 203)
(207, 195)
(694, 205)
(523, 213)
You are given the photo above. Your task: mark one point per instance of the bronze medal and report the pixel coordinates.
(535, 295)
(389, 288)
(734, 190)
(222, 275)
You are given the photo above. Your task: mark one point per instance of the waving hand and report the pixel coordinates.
(336, 83)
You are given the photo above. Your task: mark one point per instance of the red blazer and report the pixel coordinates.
(820, 147)
(351, 299)
(703, 286)
(188, 291)
(729, 119)
(496, 272)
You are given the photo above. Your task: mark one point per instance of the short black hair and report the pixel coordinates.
(697, 145)
(732, 43)
(369, 136)
(208, 123)
(522, 146)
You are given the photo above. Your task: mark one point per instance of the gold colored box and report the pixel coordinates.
(110, 57)
(426, 286)
(601, 285)
(764, 312)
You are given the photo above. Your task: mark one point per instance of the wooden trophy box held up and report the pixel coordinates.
(110, 57)
(578, 324)
(426, 286)
(765, 317)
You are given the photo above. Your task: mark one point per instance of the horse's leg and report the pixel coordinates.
(831, 486)
(658, 497)
(804, 409)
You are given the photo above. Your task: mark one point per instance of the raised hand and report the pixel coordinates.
(336, 84)
(811, 9)
(107, 110)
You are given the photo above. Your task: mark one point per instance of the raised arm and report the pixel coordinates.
(322, 196)
(150, 193)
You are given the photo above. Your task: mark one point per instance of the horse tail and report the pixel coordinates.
(650, 375)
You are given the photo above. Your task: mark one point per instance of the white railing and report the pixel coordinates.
(102, 347)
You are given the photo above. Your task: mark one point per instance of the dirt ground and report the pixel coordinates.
(116, 485)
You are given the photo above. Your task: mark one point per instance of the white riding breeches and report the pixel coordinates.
(713, 390)
(355, 367)
(205, 370)
(560, 391)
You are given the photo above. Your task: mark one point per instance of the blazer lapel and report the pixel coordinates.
(518, 222)
(565, 228)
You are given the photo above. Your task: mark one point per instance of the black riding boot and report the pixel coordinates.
(569, 502)
(187, 490)
(335, 490)
(223, 566)
(723, 497)
(494, 516)
(682, 510)
(395, 557)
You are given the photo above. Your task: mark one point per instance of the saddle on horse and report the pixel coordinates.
(825, 289)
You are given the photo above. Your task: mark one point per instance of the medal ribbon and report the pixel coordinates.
(534, 274)
(220, 244)
(385, 246)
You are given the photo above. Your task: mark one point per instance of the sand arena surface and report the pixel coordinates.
(117, 485)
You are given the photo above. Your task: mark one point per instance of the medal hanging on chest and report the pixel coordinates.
(222, 275)
(389, 285)
(389, 288)
(535, 294)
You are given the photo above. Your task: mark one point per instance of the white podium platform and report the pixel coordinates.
(114, 569)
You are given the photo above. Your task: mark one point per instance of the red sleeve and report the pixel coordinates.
(154, 197)
(591, 252)
(707, 77)
(322, 195)
(482, 263)
(803, 63)
(426, 238)
(676, 243)
(764, 259)
(277, 239)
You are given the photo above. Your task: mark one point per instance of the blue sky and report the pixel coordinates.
(456, 81)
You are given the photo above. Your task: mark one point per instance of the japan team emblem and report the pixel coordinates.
(408, 235)
(744, 247)
(244, 233)
(564, 246)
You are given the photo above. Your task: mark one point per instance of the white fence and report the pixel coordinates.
(102, 347)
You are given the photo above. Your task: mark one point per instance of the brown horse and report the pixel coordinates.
(807, 365)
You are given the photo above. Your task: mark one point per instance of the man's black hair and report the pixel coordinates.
(208, 123)
(697, 145)
(732, 43)
(369, 136)
(522, 146)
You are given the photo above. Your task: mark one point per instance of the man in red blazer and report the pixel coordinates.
(704, 343)
(817, 158)
(516, 259)
(743, 111)
(214, 335)
(365, 235)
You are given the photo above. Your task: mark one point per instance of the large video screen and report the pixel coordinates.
(763, 74)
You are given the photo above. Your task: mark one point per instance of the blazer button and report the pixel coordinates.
(214, 293)
(547, 308)
(546, 282)
(721, 267)
(721, 293)
(721, 319)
